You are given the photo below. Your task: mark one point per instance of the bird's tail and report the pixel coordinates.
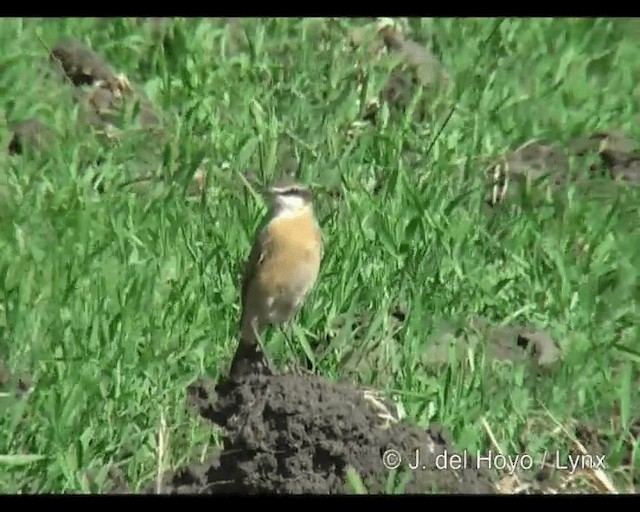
(249, 357)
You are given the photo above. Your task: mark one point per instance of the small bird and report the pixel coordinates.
(282, 267)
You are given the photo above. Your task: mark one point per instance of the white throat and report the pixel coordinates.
(289, 206)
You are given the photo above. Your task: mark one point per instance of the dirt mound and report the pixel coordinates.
(295, 434)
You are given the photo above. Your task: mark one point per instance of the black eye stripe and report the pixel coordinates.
(293, 192)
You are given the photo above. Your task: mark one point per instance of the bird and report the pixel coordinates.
(282, 267)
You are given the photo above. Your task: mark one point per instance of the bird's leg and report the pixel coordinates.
(295, 364)
(257, 333)
(287, 331)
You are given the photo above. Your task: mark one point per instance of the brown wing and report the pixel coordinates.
(256, 257)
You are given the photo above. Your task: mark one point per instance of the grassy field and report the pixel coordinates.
(113, 303)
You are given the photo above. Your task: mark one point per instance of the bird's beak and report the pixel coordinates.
(265, 192)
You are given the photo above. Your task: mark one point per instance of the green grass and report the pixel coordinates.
(115, 303)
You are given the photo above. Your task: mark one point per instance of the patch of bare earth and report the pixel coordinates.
(300, 434)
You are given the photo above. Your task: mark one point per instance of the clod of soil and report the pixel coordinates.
(428, 69)
(531, 161)
(103, 101)
(623, 166)
(104, 105)
(599, 141)
(81, 64)
(517, 343)
(618, 153)
(613, 155)
(417, 69)
(18, 385)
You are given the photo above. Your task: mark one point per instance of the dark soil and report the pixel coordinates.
(298, 434)
(17, 385)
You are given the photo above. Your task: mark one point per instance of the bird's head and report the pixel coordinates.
(289, 199)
